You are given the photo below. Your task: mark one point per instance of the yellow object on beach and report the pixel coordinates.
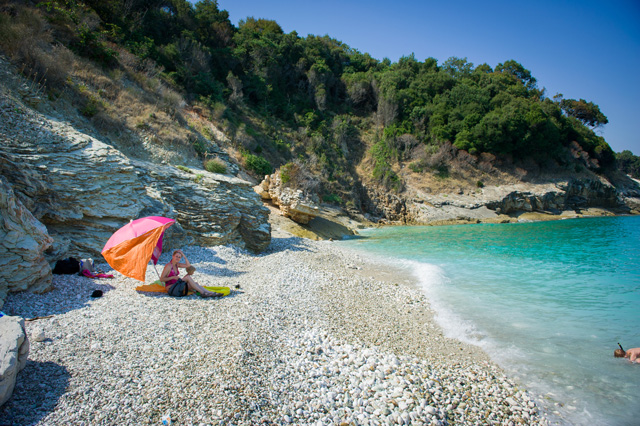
(157, 287)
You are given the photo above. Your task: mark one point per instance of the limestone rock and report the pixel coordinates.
(293, 203)
(299, 211)
(217, 209)
(570, 195)
(262, 189)
(633, 203)
(23, 240)
(14, 351)
(38, 334)
(87, 189)
(493, 203)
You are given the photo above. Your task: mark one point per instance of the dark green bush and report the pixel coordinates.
(258, 164)
(88, 44)
(332, 198)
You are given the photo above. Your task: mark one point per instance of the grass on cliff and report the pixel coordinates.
(129, 103)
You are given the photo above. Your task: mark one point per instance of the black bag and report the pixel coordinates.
(67, 266)
(179, 289)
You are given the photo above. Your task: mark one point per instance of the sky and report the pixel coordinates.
(582, 49)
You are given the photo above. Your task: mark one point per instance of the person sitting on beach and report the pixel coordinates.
(177, 286)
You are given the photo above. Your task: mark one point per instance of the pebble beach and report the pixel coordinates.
(311, 334)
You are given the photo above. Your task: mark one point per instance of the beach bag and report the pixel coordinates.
(179, 289)
(67, 266)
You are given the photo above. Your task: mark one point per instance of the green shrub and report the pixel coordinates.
(332, 198)
(416, 167)
(91, 107)
(184, 169)
(208, 134)
(480, 184)
(215, 166)
(88, 44)
(442, 171)
(199, 145)
(258, 164)
(282, 146)
(286, 172)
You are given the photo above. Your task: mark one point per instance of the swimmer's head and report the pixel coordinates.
(619, 353)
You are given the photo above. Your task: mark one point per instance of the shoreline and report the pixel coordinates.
(334, 224)
(307, 338)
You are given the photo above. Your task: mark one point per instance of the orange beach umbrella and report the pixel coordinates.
(130, 248)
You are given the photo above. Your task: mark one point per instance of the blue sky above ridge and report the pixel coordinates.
(583, 49)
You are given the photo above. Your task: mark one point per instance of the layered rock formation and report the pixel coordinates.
(14, 351)
(83, 189)
(495, 202)
(23, 240)
(293, 203)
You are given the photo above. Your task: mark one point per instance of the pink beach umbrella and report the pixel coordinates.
(130, 248)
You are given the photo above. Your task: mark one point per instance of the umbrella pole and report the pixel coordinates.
(154, 268)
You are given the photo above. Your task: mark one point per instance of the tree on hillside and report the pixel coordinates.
(518, 71)
(457, 67)
(629, 163)
(587, 112)
(214, 28)
(263, 26)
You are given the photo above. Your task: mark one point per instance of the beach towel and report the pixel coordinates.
(157, 287)
(89, 274)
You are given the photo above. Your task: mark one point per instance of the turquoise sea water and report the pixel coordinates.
(549, 302)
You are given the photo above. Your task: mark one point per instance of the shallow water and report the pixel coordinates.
(549, 301)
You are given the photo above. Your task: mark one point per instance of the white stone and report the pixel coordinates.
(38, 335)
(14, 351)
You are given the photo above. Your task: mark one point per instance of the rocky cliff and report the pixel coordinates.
(504, 203)
(295, 204)
(23, 241)
(68, 191)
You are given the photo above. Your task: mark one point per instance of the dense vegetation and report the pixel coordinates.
(324, 105)
(629, 163)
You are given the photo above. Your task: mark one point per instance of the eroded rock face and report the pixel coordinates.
(216, 210)
(493, 203)
(294, 204)
(14, 351)
(23, 240)
(570, 195)
(83, 190)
